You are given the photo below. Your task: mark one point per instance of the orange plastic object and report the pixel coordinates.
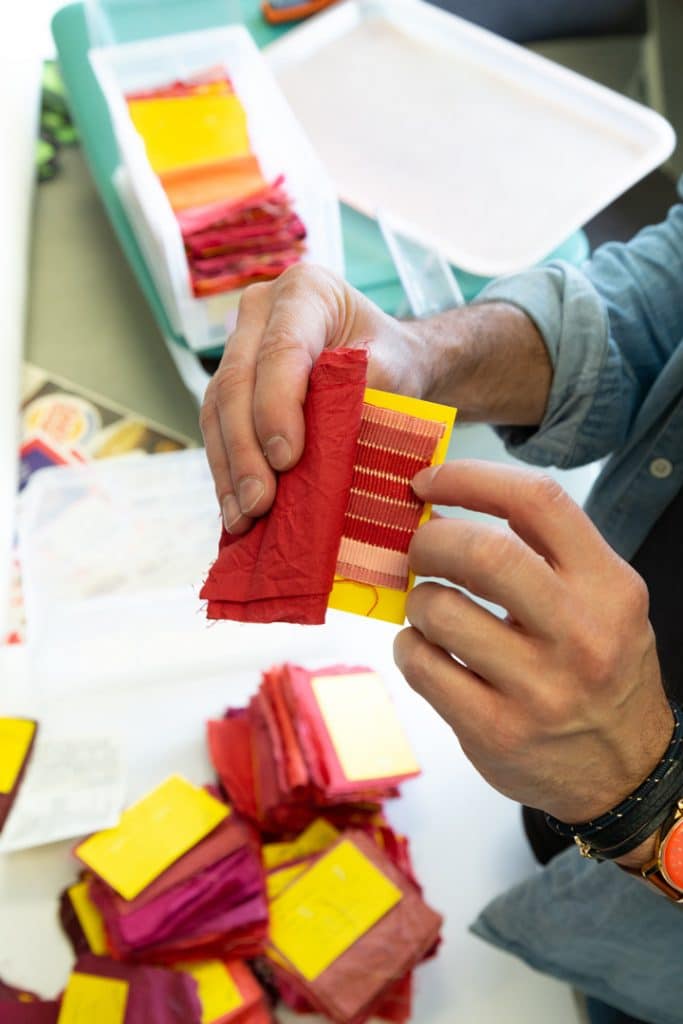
(279, 15)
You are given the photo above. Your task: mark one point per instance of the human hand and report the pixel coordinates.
(559, 706)
(252, 418)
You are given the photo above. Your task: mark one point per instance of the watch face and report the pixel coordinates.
(671, 855)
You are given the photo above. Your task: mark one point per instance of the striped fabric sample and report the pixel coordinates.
(383, 512)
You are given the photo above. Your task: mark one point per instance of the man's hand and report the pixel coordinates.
(559, 706)
(487, 359)
(252, 418)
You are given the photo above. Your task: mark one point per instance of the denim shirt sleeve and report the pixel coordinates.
(609, 327)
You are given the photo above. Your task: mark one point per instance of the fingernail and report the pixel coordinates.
(422, 480)
(278, 452)
(250, 492)
(231, 511)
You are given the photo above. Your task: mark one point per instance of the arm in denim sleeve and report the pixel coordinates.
(609, 329)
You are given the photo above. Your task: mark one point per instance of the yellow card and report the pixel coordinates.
(15, 740)
(184, 131)
(361, 720)
(92, 1000)
(277, 881)
(89, 918)
(218, 992)
(151, 835)
(317, 837)
(379, 602)
(319, 916)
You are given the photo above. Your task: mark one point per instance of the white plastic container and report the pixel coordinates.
(477, 148)
(276, 138)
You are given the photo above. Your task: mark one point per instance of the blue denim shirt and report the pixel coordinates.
(614, 332)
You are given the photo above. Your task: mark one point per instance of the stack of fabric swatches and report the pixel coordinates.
(208, 905)
(237, 227)
(310, 743)
(180, 875)
(340, 527)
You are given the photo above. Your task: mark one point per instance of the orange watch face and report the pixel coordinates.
(671, 855)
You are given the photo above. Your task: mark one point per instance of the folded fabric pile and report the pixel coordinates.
(312, 741)
(347, 927)
(179, 878)
(321, 751)
(193, 910)
(237, 226)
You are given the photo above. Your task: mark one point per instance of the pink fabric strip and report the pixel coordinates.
(378, 509)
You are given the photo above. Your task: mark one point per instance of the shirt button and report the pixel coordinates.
(661, 468)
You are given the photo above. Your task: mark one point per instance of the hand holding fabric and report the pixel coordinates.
(252, 418)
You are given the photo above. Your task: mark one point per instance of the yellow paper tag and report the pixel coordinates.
(184, 131)
(317, 837)
(363, 725)
(319, 916)
(277, 881)
(89, 918)
(92, 1000)
(152, 835)
(15, 739)
(218, 992)
(382, 602)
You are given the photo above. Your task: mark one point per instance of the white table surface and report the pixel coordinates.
(467, 840)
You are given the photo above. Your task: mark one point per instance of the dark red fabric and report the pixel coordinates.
(283, 569)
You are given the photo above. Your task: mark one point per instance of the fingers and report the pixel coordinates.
(467, 703)
(494, 564)
(252, 417)
(298, 328)
(536, 507)
(491, 647)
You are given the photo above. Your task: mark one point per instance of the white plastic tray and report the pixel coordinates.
(275, 135)
(476, 147)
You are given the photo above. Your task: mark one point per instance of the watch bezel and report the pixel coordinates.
(675, 829)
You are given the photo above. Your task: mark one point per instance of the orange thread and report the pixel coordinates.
(358, 583)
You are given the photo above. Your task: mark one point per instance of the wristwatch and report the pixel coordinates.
(665, 870)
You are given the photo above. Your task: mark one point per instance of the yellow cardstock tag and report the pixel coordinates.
(92, 1000)
(378, 602)
(152, 835)
(320, 915)
(16, 735)
(217, 989)
(317, 837)
(361, 720)
(89, 918)
(184, 131)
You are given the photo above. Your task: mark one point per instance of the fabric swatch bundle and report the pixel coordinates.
(311, 741)
(347, 927)
(237, 227)
(180, 877)
(339, 529)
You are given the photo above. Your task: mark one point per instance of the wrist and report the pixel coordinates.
(490, 361)
(642, 854)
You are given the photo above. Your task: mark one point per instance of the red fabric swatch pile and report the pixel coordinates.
(373, 977)
(283, 569)
(209, 903)
(277, 763)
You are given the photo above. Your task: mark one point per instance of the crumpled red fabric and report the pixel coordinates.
(283, 569)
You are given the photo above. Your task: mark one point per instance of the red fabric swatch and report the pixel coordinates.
(283, 569)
